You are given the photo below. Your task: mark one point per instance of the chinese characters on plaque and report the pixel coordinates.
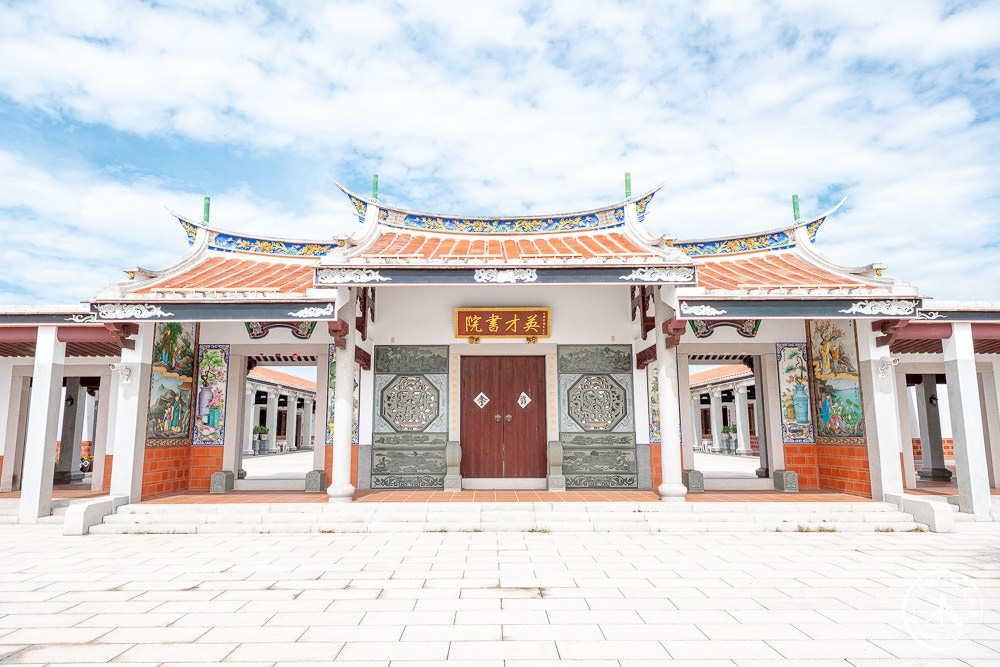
(502, 322)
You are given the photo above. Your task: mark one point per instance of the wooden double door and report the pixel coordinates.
(503, 417)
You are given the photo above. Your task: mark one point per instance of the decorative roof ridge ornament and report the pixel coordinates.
(801, 233)
(598, 218)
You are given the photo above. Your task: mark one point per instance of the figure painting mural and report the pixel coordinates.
(653, 386)
(836, 383)
(171, 384)
(793, 388)
(213, 374)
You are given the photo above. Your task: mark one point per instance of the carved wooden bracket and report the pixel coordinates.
(338, 328)
(121, 331)
(366, 310)
(363, 359)
(641, 297)
(340, 342)
(674, 329)
(645, 357)
(889, 329)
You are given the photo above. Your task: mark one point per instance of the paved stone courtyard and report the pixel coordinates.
(501, 599)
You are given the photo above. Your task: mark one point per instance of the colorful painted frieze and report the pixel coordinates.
(793, 394)
(835, 380)
(171, 384)
(210, 405)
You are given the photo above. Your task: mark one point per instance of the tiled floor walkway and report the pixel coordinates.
(499, 599)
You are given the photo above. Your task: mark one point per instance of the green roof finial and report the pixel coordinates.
(628, 185)
(375, 187)
(207, 200)
(795, 206)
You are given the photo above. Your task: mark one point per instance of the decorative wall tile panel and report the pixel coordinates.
(410, 403)
(567, 423)
(411, 359)
(438, 425)
(596, 402)
(210, 400)
(595, 358)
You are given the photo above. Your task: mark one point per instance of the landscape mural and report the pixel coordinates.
(171, 383)
(836, 384)
(210, 401)
(793, 390)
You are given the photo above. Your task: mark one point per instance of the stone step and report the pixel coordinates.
(507, 517)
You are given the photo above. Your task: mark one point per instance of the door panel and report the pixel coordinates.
(515, 444)
(481, 433)
(524, 434)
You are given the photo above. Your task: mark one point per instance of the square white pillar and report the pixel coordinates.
(715, 413)
(742, 410)
(271, 420)
(130, 417)
(881, 410)
(966, 423)
(307, 422)
(10, 397)
(291, 417)
(774, 457)
(249, 418)
(905, 436)
(687, 417)
(990, 391)
(236, 382)
(101, 430)
(43, 426)
(320, 417)
(71, 434)
(695, 422)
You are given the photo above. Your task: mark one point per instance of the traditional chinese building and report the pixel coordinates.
(522, 352)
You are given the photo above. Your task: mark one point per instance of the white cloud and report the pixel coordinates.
(503, 108)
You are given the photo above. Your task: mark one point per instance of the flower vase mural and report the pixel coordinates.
(171, 384)
(653, 386)
(793, 390)
(213, 374)
(836, 383)
(332, 394)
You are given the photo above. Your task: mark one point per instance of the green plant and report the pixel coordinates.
(260, 430)
(731, 430)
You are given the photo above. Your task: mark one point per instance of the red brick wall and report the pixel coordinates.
(946, 443)
(86, 448)
(107, 473)
(354, 466)
(755, 445)
(205, 460)
(328, 464)
(844, 468)
(656, 463)
(165, 470)
(802, 459)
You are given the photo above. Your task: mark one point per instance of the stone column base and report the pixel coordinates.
(222, 482)
(694, 480)
(937, 474)
(786, 480)
(316, 481)
(452, 482)
(556, 483)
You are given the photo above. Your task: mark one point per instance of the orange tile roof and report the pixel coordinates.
(414, 245)
(770, 270)
(271, 375)
(725, 372)
(221, 274)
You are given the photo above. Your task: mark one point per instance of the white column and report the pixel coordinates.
(687, 417)
(307, 422)
(716, 413)
(742, 421)
(774, 458)
(966, 422)
(131, 410)
(291, 428)
(43, 426)
(71, 433)
(670, 441)
(100, 448)
(320, 417)
(696, 420)
(249, 418)
(236, 382)
(881, 410)
(991, 421)
(272, 419)
(905, 436)
(929, 419)
(340, 489)
(10, 396)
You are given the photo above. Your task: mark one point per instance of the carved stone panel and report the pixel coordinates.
(410, 403)
(437, 425)
(411, 359)
(595, 358)
(597, 402)
(599, 460)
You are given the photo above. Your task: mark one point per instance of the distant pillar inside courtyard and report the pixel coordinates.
(929, 419)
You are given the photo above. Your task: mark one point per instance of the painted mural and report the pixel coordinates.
(332, 395)
(653, 386)
(210, 399)
(171, 384)
(836, 383)
(793, 389)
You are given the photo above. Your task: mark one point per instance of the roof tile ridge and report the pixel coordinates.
(660, 247)
(869, 274)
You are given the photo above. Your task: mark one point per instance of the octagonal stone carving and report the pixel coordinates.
(410, 403)
(597, 402)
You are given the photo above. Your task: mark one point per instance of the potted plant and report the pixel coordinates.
(260, 443)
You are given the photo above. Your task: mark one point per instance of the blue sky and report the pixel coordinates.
(111, 111)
